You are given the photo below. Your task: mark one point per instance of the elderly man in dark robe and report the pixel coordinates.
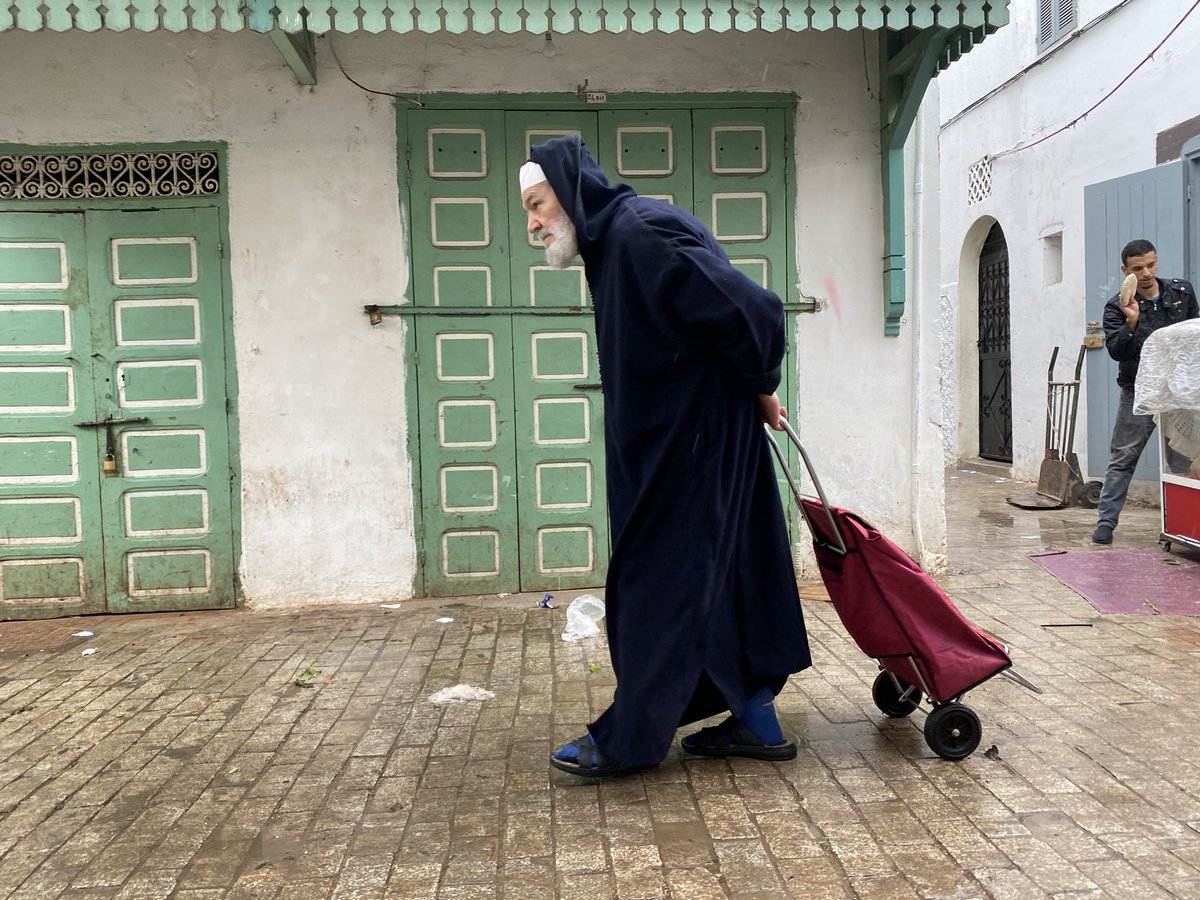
(703, 614)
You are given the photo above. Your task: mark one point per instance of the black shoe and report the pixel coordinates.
(1102, 534)
(732, 738)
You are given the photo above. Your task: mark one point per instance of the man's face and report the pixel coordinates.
(1144, 267)
(548, 222)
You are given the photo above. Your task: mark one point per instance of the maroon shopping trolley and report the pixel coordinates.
(897, 614)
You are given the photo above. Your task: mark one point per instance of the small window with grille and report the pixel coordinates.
(979, 181)
(1056, 18)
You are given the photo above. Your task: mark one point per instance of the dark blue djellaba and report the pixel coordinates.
(701, 599)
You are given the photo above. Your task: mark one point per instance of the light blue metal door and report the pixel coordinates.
(1151, 204)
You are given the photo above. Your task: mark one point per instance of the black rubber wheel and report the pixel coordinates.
(1090, 495)
(952, 731)
(889, 700)
(1166, 545)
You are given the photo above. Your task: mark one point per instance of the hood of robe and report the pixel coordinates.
(582, 188)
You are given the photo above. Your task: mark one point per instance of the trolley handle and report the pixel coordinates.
(796, 492)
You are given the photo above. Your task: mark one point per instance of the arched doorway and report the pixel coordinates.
(995, 383)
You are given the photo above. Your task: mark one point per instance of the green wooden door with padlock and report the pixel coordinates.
(114, 450)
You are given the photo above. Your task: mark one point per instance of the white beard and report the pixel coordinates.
(565, 246)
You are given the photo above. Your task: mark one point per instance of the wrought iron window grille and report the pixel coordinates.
(109, 176)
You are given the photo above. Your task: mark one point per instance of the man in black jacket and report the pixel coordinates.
(1128, 321)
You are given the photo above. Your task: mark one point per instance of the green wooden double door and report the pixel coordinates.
(114, 447)
(509, 410)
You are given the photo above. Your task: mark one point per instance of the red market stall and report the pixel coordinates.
(1168, 387)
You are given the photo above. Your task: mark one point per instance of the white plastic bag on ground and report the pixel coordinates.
(583, 618)
(460, 693)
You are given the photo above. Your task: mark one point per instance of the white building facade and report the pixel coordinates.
(1041, 117)
(333, 197)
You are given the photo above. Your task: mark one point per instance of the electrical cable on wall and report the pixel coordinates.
(1097, 104)
(333, 50)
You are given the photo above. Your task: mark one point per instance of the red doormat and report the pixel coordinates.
(1128, 581)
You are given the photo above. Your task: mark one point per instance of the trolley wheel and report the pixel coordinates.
(890, 701)
(1090, 495)
(1166, 545)
(952, 731)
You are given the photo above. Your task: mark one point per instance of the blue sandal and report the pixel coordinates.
(589, 762)
(732, 738)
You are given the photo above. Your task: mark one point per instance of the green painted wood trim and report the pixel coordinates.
(570, 102)
(907, 63)
(412, 445)
(903, 90)
(232, 394)
(220, 201)
(792, 299)
(412, 441)
(560, 16)
(298, 52)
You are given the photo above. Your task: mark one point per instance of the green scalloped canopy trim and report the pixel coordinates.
(506, 16)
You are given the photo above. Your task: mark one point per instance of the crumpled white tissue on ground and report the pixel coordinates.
(583, 618)
(460, 693)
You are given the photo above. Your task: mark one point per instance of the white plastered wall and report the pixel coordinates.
(1039, 191)
(316, 232)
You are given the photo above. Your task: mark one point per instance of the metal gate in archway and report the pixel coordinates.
(995, 382)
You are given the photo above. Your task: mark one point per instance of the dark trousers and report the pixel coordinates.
(1130, 435)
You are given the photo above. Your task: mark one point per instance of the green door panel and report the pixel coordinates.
(533, 282)
(28, 326)
(562, 511)
(651, 151)
(563, 521)
(51, 548)
(741, 165)
(156, 287)
(466, 433)
(36, 263)
(493, 431)
(458, 190)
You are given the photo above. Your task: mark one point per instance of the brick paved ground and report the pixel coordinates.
(181, 760)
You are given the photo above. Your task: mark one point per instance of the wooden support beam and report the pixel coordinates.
(298, 52)
(907, 63)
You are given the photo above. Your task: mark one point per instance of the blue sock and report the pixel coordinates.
(759, 716)
(569, 752)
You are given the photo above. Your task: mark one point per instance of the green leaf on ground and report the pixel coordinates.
(594, 668)
(305, 678)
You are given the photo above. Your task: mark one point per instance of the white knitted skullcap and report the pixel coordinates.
(531, 174)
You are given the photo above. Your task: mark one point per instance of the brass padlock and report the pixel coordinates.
(109, 466)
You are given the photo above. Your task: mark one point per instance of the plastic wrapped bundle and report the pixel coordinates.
(1181, 429)
(1169, 372)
